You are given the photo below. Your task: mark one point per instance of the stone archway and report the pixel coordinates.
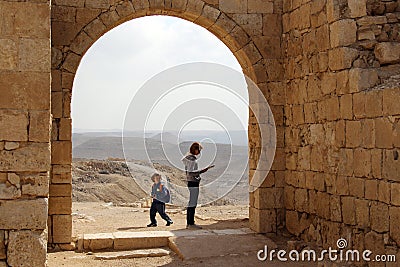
(250, 29)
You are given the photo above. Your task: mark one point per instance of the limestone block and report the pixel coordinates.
(391, 100)
(2, 246)
(36, 185)
(8, 54)
(383, 133)
(373, 103)
(61, 174)
(348, 210)
(358, 8)
(260, 6)
(233, 6)
(262, 221)
(193, 8)
(60, 190)
(251, 23)
(289, 193)
(395, 194)
(301, 200)
(346, 106)
(379, 217)
(63, 13)
(8, 191)
(362, 213)
(23, 90)
(208, 17)
(394, 213)
(27, 248)
(13, 125)
(342, 58)
(71, 62)
(359, 105)
(371, 189)
(26, 23)
(388, 52)
(83, 41)
(103, 4)
(356, 187)
(353, 133)
(384, 192)
(343, 33)
(125, 9)
(362, 163)
(61, 152)
(11, 145)
(361, 79)
(223, 25)
(335, 208)
(376, 155)
(297, 222)
(322, 205)
(34, 55)
(62, 228)
(25, 214)
(22, 160)
(39, 126)
(332, 10)
(60, 205)
(341, 184)
(65, 130)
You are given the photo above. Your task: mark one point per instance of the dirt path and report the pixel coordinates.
(95, 217)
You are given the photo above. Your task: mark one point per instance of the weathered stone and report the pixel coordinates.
(60, 190)
(36, 185)
(9, 191)
(391, 100)
(260, 6)
(262, 221)
(62, 228)
(358, 8)
(61, 174)
(348, 210)
(34, 55)
(26, 214)
(61, 152)
(11, 145)
(387, 53)
(60, 205)
(95, 242)
(395, 194)
(361, 79)
(343, 32)
(297, 222)
(353, 133)
(27, 248)
(233, 6)
(21, 159)
(8, 54)
(371, 189)
(362, 163)
(39, 126)
(356, 187)
(13, 125)
(362, 213)
(22, 90)
(394, 213)
(341, 58)
(379, 217)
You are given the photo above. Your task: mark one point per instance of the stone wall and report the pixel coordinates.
(342, 119)
(24, 131)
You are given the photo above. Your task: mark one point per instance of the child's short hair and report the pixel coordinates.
(153, 177)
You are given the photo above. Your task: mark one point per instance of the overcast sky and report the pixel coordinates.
(121, 61)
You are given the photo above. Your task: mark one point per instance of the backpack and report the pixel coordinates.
(164, 195)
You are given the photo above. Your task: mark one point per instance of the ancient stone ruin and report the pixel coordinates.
(328, 68)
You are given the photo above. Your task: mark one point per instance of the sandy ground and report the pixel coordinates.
(95, 217)
(218, 251)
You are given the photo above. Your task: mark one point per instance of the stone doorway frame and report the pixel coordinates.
(77, 24)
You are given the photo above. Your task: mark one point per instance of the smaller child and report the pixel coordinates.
(160, 195)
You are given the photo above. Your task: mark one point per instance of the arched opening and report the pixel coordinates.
(111, 175)
(71, 40)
